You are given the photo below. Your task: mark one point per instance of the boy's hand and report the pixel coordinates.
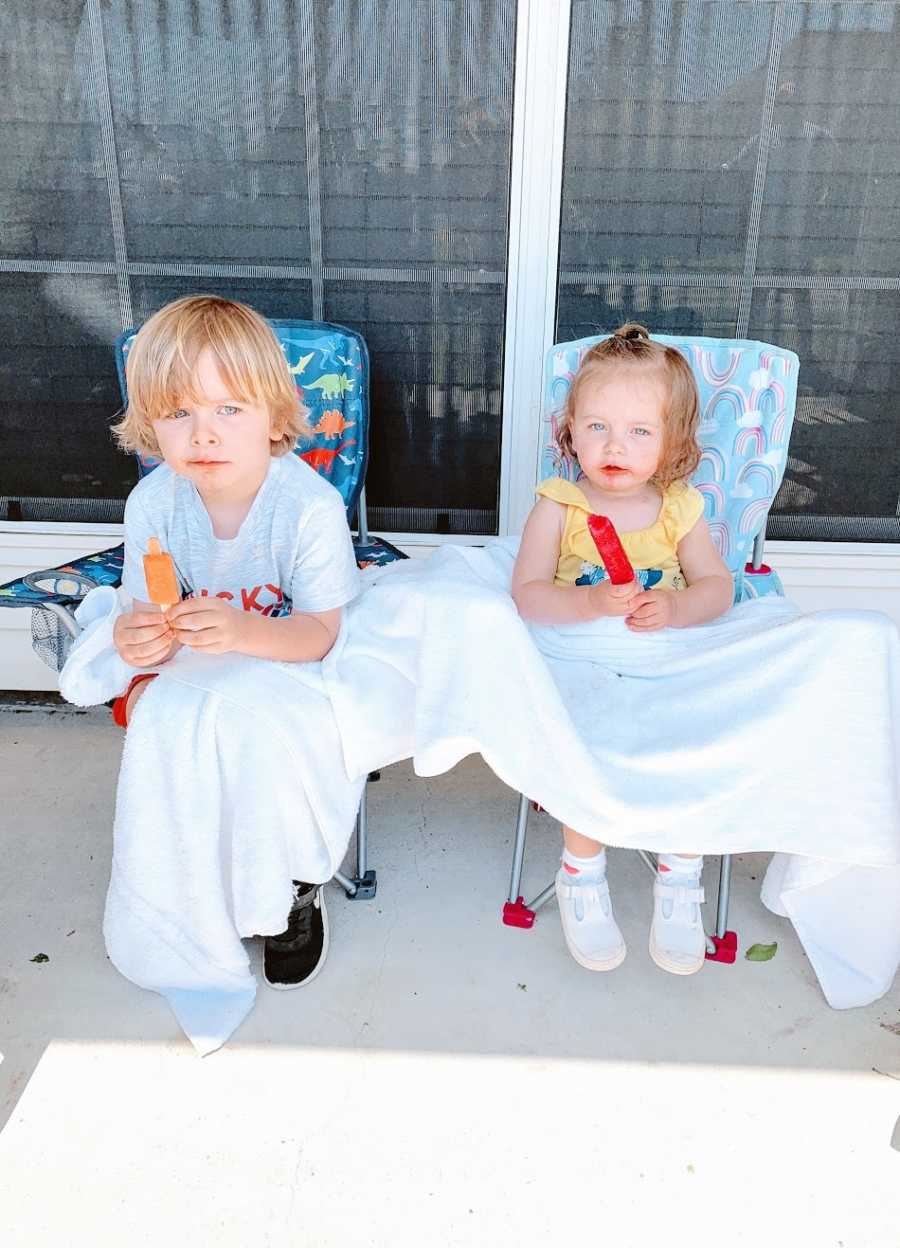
(608, 599)
(652, 609)
(208, 624)
(143, 638)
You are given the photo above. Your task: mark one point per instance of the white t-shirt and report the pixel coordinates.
(293, 549)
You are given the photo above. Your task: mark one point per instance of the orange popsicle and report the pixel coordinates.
(159, 573)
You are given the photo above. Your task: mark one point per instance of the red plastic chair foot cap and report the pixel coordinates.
(726, 948)
(517, 914)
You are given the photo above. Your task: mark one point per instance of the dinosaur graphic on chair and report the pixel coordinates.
(322, 457)
(332, 424)
(332, 385)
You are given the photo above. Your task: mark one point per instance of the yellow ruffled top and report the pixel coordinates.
(653, 551)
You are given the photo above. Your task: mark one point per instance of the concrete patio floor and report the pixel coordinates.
(444, 1078)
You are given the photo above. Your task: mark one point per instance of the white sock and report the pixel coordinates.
(673, 869)
(584, 870)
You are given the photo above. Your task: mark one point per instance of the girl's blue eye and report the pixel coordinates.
(228, 409)
(177, 414)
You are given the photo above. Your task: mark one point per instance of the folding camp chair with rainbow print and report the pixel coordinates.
(331, 366)
(748, 392)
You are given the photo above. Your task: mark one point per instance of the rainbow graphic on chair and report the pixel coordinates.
(755, 470)
(727, 403)
(706, 362)
(713, 459)
(754, 437)
(713, 496)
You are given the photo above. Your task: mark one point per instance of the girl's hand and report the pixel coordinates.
(652, 609)
(208, 624)
(608, 599)
(143, 637)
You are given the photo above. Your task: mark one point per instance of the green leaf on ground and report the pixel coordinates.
(761, 953)
(40, 957)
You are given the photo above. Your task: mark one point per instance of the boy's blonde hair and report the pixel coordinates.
(161, 369)
(631, 347)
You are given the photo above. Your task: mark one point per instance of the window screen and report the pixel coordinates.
(344, 160)
(733, 169)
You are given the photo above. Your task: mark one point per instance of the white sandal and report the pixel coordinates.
(589, 927)
(677, 938)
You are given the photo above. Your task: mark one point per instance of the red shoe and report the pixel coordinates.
(120, 705)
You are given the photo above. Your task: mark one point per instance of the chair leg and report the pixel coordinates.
(515, 912)
(724, 943)
(724, 895)
(364, 884)
(515, 878)
(362, 834)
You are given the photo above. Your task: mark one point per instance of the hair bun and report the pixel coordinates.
(632, 332)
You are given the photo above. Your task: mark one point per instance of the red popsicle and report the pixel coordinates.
(606, 539)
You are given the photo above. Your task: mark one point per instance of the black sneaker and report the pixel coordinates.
(297, 955)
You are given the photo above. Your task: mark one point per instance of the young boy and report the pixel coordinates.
(259, 540)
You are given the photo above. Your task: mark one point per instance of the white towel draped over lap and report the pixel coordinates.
(232, 784)
(766, 730)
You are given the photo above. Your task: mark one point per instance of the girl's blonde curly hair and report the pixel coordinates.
(631, 347)
(161, 369)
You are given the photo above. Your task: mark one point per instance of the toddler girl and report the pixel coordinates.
(630, 420)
